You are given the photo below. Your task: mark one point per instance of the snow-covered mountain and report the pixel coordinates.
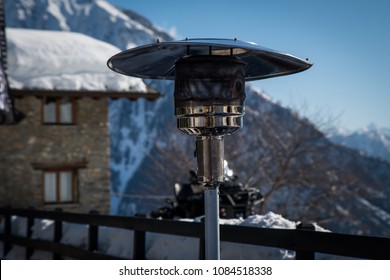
(302, 175)
(96, 18)
(370, 140)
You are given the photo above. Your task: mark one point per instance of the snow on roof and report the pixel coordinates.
(39, 59)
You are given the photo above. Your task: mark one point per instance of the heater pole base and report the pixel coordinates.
(212, 247)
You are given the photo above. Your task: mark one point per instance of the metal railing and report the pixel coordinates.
(303, 240)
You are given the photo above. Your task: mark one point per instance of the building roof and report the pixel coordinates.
(57, 62)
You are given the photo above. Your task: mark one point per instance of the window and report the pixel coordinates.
(59, 186)
(59, 180)
(58, 110)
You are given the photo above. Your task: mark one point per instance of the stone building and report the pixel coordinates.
(58, 155)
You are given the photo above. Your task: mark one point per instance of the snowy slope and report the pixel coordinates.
(370, 140)
(40, 59)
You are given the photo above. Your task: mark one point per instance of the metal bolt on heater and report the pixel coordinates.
(209, 94)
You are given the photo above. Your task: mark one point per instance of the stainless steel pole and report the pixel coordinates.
(210, 157)
(212, 243)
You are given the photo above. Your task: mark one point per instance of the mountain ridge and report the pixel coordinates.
(371, 140)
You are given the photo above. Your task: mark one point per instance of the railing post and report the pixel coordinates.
(93, 234)
(7, 231)
(57, 233)
(202, 242)
(202, 251)
(305, 255)
(139, 245)
(139, 240)
(30, 224)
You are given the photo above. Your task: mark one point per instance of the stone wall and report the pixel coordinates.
(30, 142)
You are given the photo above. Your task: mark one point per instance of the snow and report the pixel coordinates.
(50, 60)
(118, 242)
(381, 214)
(370, 140)
(132, 138)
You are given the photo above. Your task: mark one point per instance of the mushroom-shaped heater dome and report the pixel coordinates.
(157, 60)
(209, 96)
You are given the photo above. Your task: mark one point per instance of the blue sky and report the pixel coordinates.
(348, 42)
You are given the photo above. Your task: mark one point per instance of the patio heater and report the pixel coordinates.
(209, 95)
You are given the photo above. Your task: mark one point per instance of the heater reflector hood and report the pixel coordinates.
(157, 60)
